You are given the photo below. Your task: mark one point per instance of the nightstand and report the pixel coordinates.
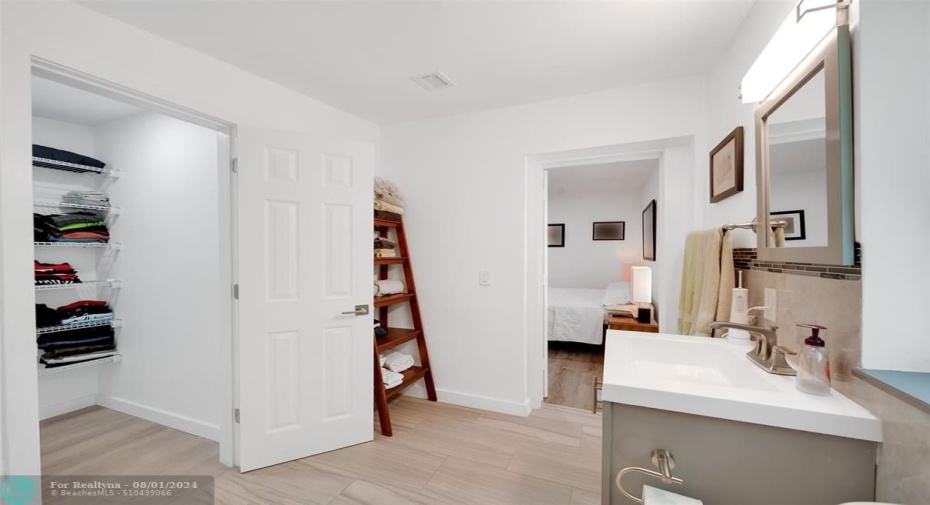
(630, 324)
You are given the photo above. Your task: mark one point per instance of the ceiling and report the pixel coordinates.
(618, 177)
(359, 56)
(52, 100)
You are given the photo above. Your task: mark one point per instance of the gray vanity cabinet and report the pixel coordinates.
(725, 462)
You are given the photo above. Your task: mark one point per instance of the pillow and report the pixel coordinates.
(617, 293)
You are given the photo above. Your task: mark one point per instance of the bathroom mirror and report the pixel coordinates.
(804, 163)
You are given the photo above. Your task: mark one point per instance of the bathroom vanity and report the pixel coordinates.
(737, 434)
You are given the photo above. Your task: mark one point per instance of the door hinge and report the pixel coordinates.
(234, 165)
(235, 291)
(237, 415)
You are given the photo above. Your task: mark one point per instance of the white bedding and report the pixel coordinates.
(576, 315)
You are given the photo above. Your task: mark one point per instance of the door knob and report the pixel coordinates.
(360, 310)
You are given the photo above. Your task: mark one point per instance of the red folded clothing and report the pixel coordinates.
(83, 303)
(52, 267)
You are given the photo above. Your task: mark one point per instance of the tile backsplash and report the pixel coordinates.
(835, 301)
(747, 259)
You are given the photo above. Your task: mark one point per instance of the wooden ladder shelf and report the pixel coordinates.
(398, 336)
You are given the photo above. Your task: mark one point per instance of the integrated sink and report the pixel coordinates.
(712, 377)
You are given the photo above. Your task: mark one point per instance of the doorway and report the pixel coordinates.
(143, 322)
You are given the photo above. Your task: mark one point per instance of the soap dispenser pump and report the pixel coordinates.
(814, 363)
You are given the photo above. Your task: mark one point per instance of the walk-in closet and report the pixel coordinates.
(132, 259)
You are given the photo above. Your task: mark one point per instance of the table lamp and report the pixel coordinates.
(642, 293)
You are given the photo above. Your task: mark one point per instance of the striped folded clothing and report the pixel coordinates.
(87, 198)
(54, 273)
(82, 226)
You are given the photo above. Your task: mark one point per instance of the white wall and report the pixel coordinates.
(891, 79)
(59, 31)
(169, 230)
(447, 166)
(802, 190)
(587, 263)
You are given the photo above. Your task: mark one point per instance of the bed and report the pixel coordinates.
(579, 315)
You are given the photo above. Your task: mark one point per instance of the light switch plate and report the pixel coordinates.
(484, 277)
(771, 304)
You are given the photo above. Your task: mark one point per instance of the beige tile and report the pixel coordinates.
(572, 466)
(368, 493)
(584, 497)
(460, 481)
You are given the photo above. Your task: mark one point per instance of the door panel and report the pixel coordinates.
(305, 224)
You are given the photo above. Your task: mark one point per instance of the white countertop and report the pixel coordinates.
(713, 378)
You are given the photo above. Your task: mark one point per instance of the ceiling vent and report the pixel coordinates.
(436, 80)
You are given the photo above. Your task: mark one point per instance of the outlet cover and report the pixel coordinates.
(771, 304)
(484, 277)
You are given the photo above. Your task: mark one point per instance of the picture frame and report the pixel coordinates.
(556, 235)
(608, 230)
(796, 229)
(726, 166)
(649, 231)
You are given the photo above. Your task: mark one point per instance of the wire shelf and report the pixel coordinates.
(88, 284)
(72, 167)
(78, 326)
(97, 245)
(66, 205)
(116, 358)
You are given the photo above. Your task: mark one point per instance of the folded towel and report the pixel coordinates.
(397, 361)
(391, 379)
(381, 359)
(382, 205)
(388, 287)
(387, 191)
(383, 243)
(385, 253)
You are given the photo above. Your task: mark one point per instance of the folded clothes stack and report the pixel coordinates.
(76, 346)
(388, 202)
(55, 273)
(396, 361)
(391, 379)
(87, 198)
(386, 287)
(76, 227)
(52, 154)
(384, 248)
(379, 331)
(83, 311)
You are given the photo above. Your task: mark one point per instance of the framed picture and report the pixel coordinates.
(726, 167)
(609, 230)
(649, 231)
(556, 235)
(794, 229)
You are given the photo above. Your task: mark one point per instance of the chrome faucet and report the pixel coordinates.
(766, 354)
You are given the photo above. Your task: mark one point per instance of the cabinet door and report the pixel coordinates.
(304, 245)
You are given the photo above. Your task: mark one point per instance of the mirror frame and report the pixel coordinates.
(834, 57)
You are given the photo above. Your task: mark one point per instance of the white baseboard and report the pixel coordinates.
(57, 409)
(185, 424)
(484, 403)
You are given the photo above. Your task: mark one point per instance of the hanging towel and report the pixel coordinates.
(391, 379)
(707, 281)
(776, 237)
(388, 207)
(397, 361)
(388, 287)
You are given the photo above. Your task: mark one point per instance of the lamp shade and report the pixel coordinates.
(642, 285)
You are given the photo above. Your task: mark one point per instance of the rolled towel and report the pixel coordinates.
(387, 191)
(385, 253)
(397, 361)
(391, 379)
(388, 287)
(388, 207)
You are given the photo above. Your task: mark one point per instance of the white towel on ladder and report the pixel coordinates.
(391, 379)
(397, 361)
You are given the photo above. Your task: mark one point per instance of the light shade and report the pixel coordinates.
(790, 45)
(642, 285)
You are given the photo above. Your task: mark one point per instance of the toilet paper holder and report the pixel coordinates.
(663, 460)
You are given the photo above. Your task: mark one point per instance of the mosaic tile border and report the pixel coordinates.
(747, 259)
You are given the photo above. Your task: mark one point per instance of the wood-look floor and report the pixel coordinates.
(439, 454)
(572, 366)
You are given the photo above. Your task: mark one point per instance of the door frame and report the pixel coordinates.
(228, 225)
(537, 252)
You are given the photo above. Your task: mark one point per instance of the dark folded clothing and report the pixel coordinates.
(74, 362)
(387, 216)
(100, 335)
(381, 243)
(380, 332)
(50, 153)
(47, 316)
(76, 351)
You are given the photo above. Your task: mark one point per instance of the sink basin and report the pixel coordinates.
(711, 377)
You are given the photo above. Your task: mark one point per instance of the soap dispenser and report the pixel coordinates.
(814, 363)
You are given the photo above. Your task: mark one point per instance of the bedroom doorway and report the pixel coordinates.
(594, 236)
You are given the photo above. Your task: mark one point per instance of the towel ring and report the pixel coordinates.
(621, 473)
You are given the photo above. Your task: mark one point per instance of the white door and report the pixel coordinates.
(305, 228)
(545, 225)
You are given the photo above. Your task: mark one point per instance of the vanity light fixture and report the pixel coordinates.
(807, 24)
